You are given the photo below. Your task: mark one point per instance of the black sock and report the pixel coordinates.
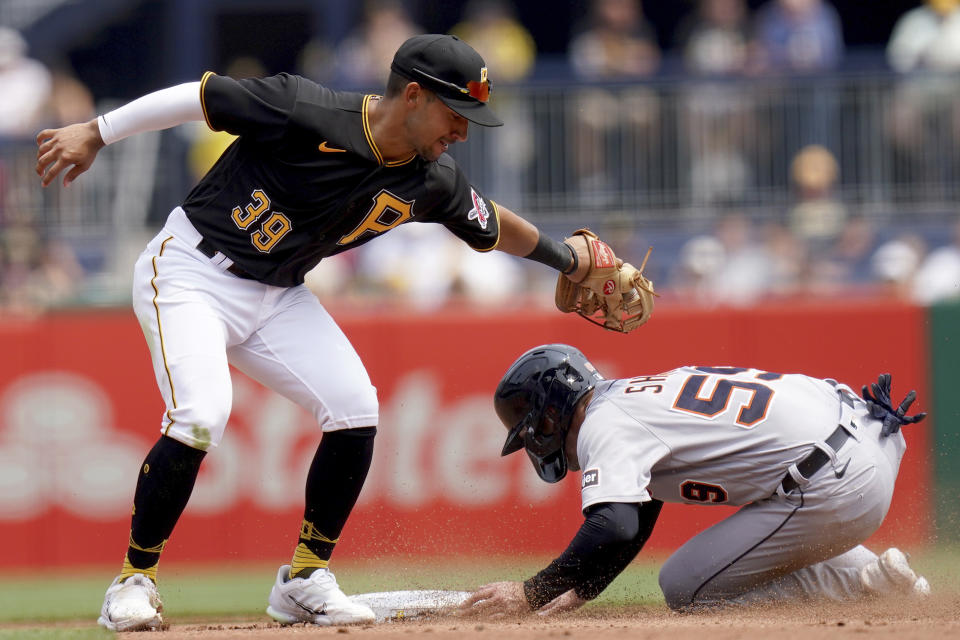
(166, 481)
(336, 476)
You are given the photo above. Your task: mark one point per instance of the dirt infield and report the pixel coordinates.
(937, 617)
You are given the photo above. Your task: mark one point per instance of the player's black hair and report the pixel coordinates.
(396, 83)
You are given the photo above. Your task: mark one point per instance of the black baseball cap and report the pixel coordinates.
(450, 68)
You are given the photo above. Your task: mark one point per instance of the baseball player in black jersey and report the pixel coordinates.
(811, 464)
(313, 172)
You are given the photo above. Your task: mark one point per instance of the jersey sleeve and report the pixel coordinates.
(616, 455)
(257, 108)
(462, 209)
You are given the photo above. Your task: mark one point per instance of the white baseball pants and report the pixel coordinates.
(198, 319)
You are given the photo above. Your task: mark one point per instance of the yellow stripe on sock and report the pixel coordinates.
(304, 558)
(128, 570)
(154, 549)
(309, 532)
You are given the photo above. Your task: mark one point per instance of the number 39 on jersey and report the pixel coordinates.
(273, 227)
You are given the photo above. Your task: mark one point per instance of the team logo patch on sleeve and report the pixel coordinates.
(591, 478)
(479, 211)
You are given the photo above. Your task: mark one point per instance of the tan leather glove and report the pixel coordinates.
(613, 294)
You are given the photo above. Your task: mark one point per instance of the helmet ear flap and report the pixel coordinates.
(552, 468)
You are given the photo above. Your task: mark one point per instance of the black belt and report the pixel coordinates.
(817, 459)
(207, 249)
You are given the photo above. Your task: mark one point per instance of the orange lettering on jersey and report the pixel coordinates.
(277, 225)
(386, 212)
(645, 383)
(271, 232)
(696, 491)
(246, 216)
(657, 388)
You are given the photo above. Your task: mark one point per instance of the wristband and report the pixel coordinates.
(558, 255)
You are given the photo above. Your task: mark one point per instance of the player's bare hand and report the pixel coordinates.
(562, 603)
(497, 600)
(75, 146)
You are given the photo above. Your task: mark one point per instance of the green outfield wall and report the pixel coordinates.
(944, 336)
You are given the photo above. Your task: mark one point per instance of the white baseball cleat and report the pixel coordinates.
(891, 574)
(317, 600)
(131, 605)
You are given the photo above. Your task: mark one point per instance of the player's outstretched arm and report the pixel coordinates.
(75, 146)
(518, 237)
(610, 537)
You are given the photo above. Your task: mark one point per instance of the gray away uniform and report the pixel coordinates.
(723, 435)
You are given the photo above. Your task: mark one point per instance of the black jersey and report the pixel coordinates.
(305, 180)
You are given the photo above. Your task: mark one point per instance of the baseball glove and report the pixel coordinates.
(613, 294)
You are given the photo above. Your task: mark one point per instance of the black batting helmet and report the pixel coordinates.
(536, 399)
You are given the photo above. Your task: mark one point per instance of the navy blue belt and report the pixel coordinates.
(817, 459)
(207, 249)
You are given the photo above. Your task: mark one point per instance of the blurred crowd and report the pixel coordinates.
(814, 248)
(743, 261)
(37, 270)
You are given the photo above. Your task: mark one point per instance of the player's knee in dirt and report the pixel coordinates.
(678, 589)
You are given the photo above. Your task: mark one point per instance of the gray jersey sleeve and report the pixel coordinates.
(616, 453)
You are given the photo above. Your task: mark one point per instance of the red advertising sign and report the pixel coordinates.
(79, 410)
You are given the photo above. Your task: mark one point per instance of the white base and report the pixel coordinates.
(404, 605)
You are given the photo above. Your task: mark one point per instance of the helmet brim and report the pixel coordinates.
(514, 439)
